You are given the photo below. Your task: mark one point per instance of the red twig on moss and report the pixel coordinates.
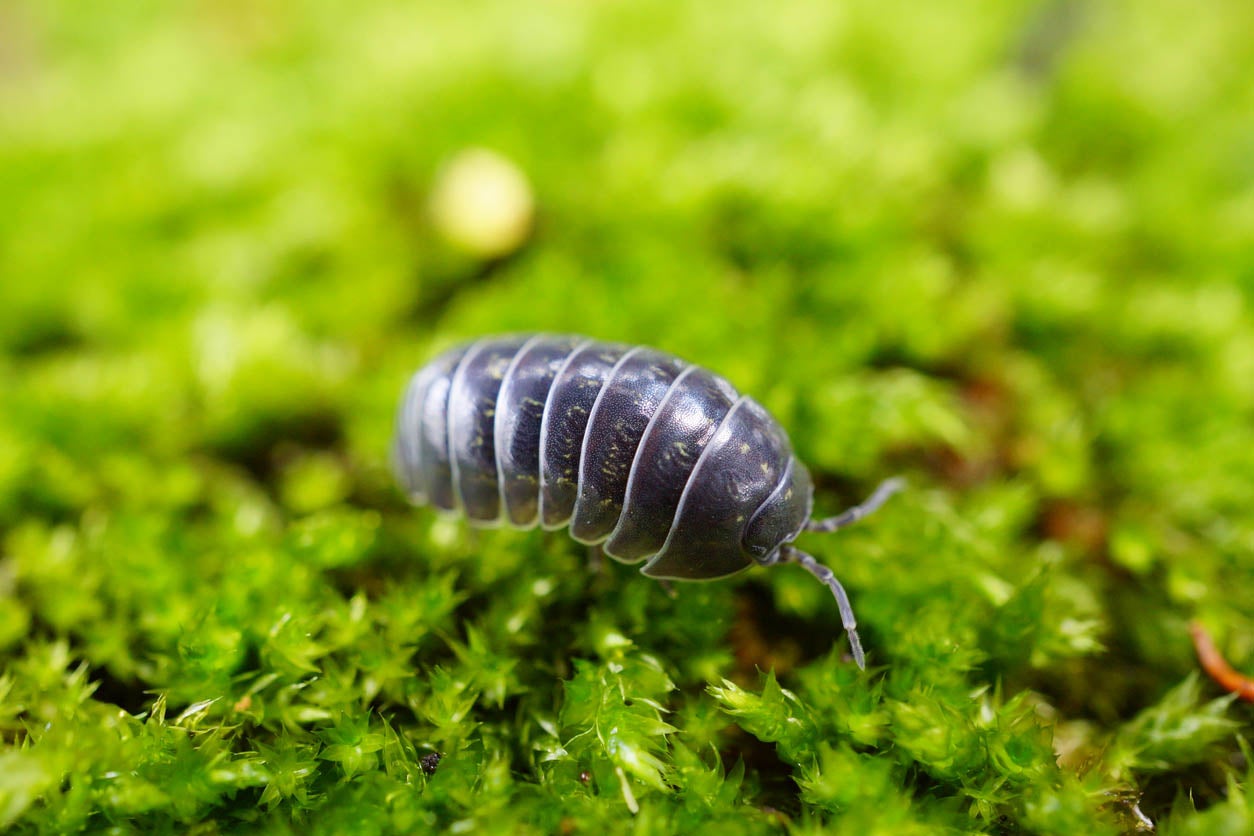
(1218, 668)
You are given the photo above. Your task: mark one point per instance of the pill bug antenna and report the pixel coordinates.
(881, 495)
(789, 554)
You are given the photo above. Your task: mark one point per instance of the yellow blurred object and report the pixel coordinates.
(482, 203)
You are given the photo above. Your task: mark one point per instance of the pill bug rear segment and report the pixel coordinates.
(421, 447)
(660, 461)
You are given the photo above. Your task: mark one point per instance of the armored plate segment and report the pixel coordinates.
(682, 426)
(737, 472)
(571, 399)
(519, 415)
(632, 394)
(472, 425)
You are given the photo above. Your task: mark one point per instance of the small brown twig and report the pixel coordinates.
(1218, 668)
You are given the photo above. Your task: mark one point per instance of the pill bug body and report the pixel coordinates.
(656, 460)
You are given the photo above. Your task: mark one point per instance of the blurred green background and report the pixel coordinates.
(1004, 249)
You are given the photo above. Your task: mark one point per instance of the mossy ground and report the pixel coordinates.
(1006, 250)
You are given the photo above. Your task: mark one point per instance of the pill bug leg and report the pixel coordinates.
(881, 494)
(1218, 668)
(789, 554)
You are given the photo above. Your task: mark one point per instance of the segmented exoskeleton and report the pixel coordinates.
(651, 457)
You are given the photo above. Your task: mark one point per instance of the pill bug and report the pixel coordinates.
(654, 459)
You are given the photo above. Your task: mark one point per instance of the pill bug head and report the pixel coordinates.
(782, 516)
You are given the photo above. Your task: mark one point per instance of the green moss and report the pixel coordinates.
(1003, 251)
